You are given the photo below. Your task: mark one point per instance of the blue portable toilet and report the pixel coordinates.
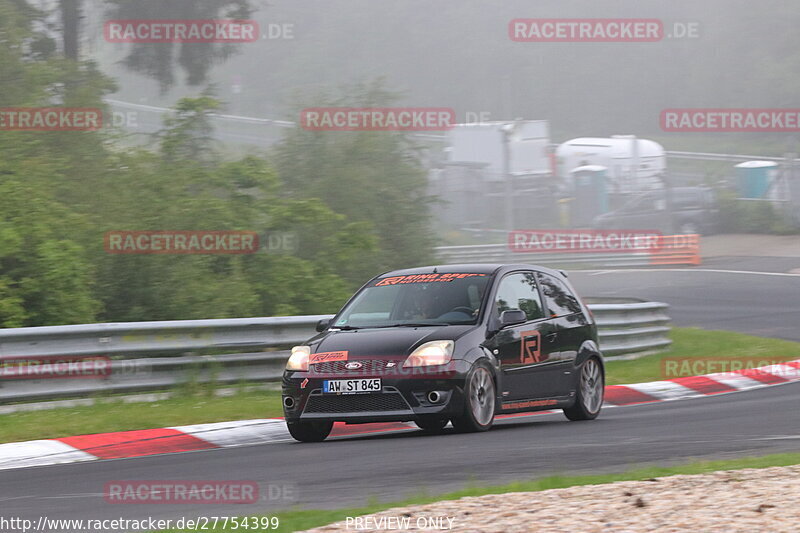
(753, 178)
(589, 188)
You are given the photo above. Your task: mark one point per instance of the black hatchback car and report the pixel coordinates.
(457, 343)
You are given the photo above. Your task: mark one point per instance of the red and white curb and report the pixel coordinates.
(145, 442)
(707, 385)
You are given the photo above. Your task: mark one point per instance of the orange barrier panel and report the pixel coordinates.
(676, 250)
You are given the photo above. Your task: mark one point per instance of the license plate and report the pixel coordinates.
(351, 385)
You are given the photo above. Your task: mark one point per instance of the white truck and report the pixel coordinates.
(528, 145)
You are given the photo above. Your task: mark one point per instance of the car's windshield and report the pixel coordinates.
(424, 299)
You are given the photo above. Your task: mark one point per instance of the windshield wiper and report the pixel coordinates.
(345, 328)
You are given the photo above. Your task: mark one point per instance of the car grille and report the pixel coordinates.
(355, 403)
(370, 366)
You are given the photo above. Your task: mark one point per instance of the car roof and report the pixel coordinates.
(478, 268)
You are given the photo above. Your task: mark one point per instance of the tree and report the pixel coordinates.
(160, 60)
(372, 178)
(175, 189)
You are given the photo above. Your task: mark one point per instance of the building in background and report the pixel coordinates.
(496, 176)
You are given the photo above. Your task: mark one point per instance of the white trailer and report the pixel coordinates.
(633, 164)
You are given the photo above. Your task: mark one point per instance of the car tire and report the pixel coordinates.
(479, 401)
(316, 431)
(590, 391)
(430, 424)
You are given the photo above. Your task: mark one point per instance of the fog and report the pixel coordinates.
(459, 55)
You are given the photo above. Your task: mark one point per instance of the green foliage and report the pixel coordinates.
(45, 277)
(751, 216)
(187, 135)
(372, 178)
(61, 192)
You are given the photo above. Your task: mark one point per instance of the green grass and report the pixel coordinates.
(300, 519)
(113, 415)
(197, 405)
(700, 343)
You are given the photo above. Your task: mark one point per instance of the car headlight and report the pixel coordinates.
(431, 353)
(299, 358)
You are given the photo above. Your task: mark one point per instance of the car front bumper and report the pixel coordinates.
(404, 395)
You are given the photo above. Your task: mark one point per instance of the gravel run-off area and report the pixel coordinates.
(746, 501)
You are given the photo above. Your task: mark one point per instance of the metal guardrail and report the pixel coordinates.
(624, 328)
(731, 158)
(501, 253)
(670, 250)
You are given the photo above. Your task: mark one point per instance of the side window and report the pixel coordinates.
(518, 291)
(560, 301)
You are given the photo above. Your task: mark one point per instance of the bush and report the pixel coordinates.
(752, 216)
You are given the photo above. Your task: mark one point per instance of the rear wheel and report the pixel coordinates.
(431, 424)
(310, 431)
(479, 404)
(591, 387)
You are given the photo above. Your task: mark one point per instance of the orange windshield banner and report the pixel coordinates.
(425, 278)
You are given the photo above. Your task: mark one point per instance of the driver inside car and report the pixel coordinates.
(437, 303)
(425, 304)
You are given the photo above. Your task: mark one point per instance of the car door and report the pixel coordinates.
(572, 327)
(523, 350)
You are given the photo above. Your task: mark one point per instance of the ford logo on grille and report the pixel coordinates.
(353, 365)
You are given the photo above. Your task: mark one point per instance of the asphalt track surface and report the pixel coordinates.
(349, 471)
(766, 304)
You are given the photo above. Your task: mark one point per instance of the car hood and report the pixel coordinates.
(384, 342)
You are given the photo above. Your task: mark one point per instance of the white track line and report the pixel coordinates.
(714, 270)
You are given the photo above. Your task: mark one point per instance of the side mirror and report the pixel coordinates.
(323, 324)
(512, 317)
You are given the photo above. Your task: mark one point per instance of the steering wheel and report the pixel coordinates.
(462, 309)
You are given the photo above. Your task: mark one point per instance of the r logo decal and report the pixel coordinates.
(530, 347)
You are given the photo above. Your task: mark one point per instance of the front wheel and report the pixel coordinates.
(479, 404)
(316, 431)
(591, 387)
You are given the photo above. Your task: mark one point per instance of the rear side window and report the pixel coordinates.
(519, 291)
(559, 299)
